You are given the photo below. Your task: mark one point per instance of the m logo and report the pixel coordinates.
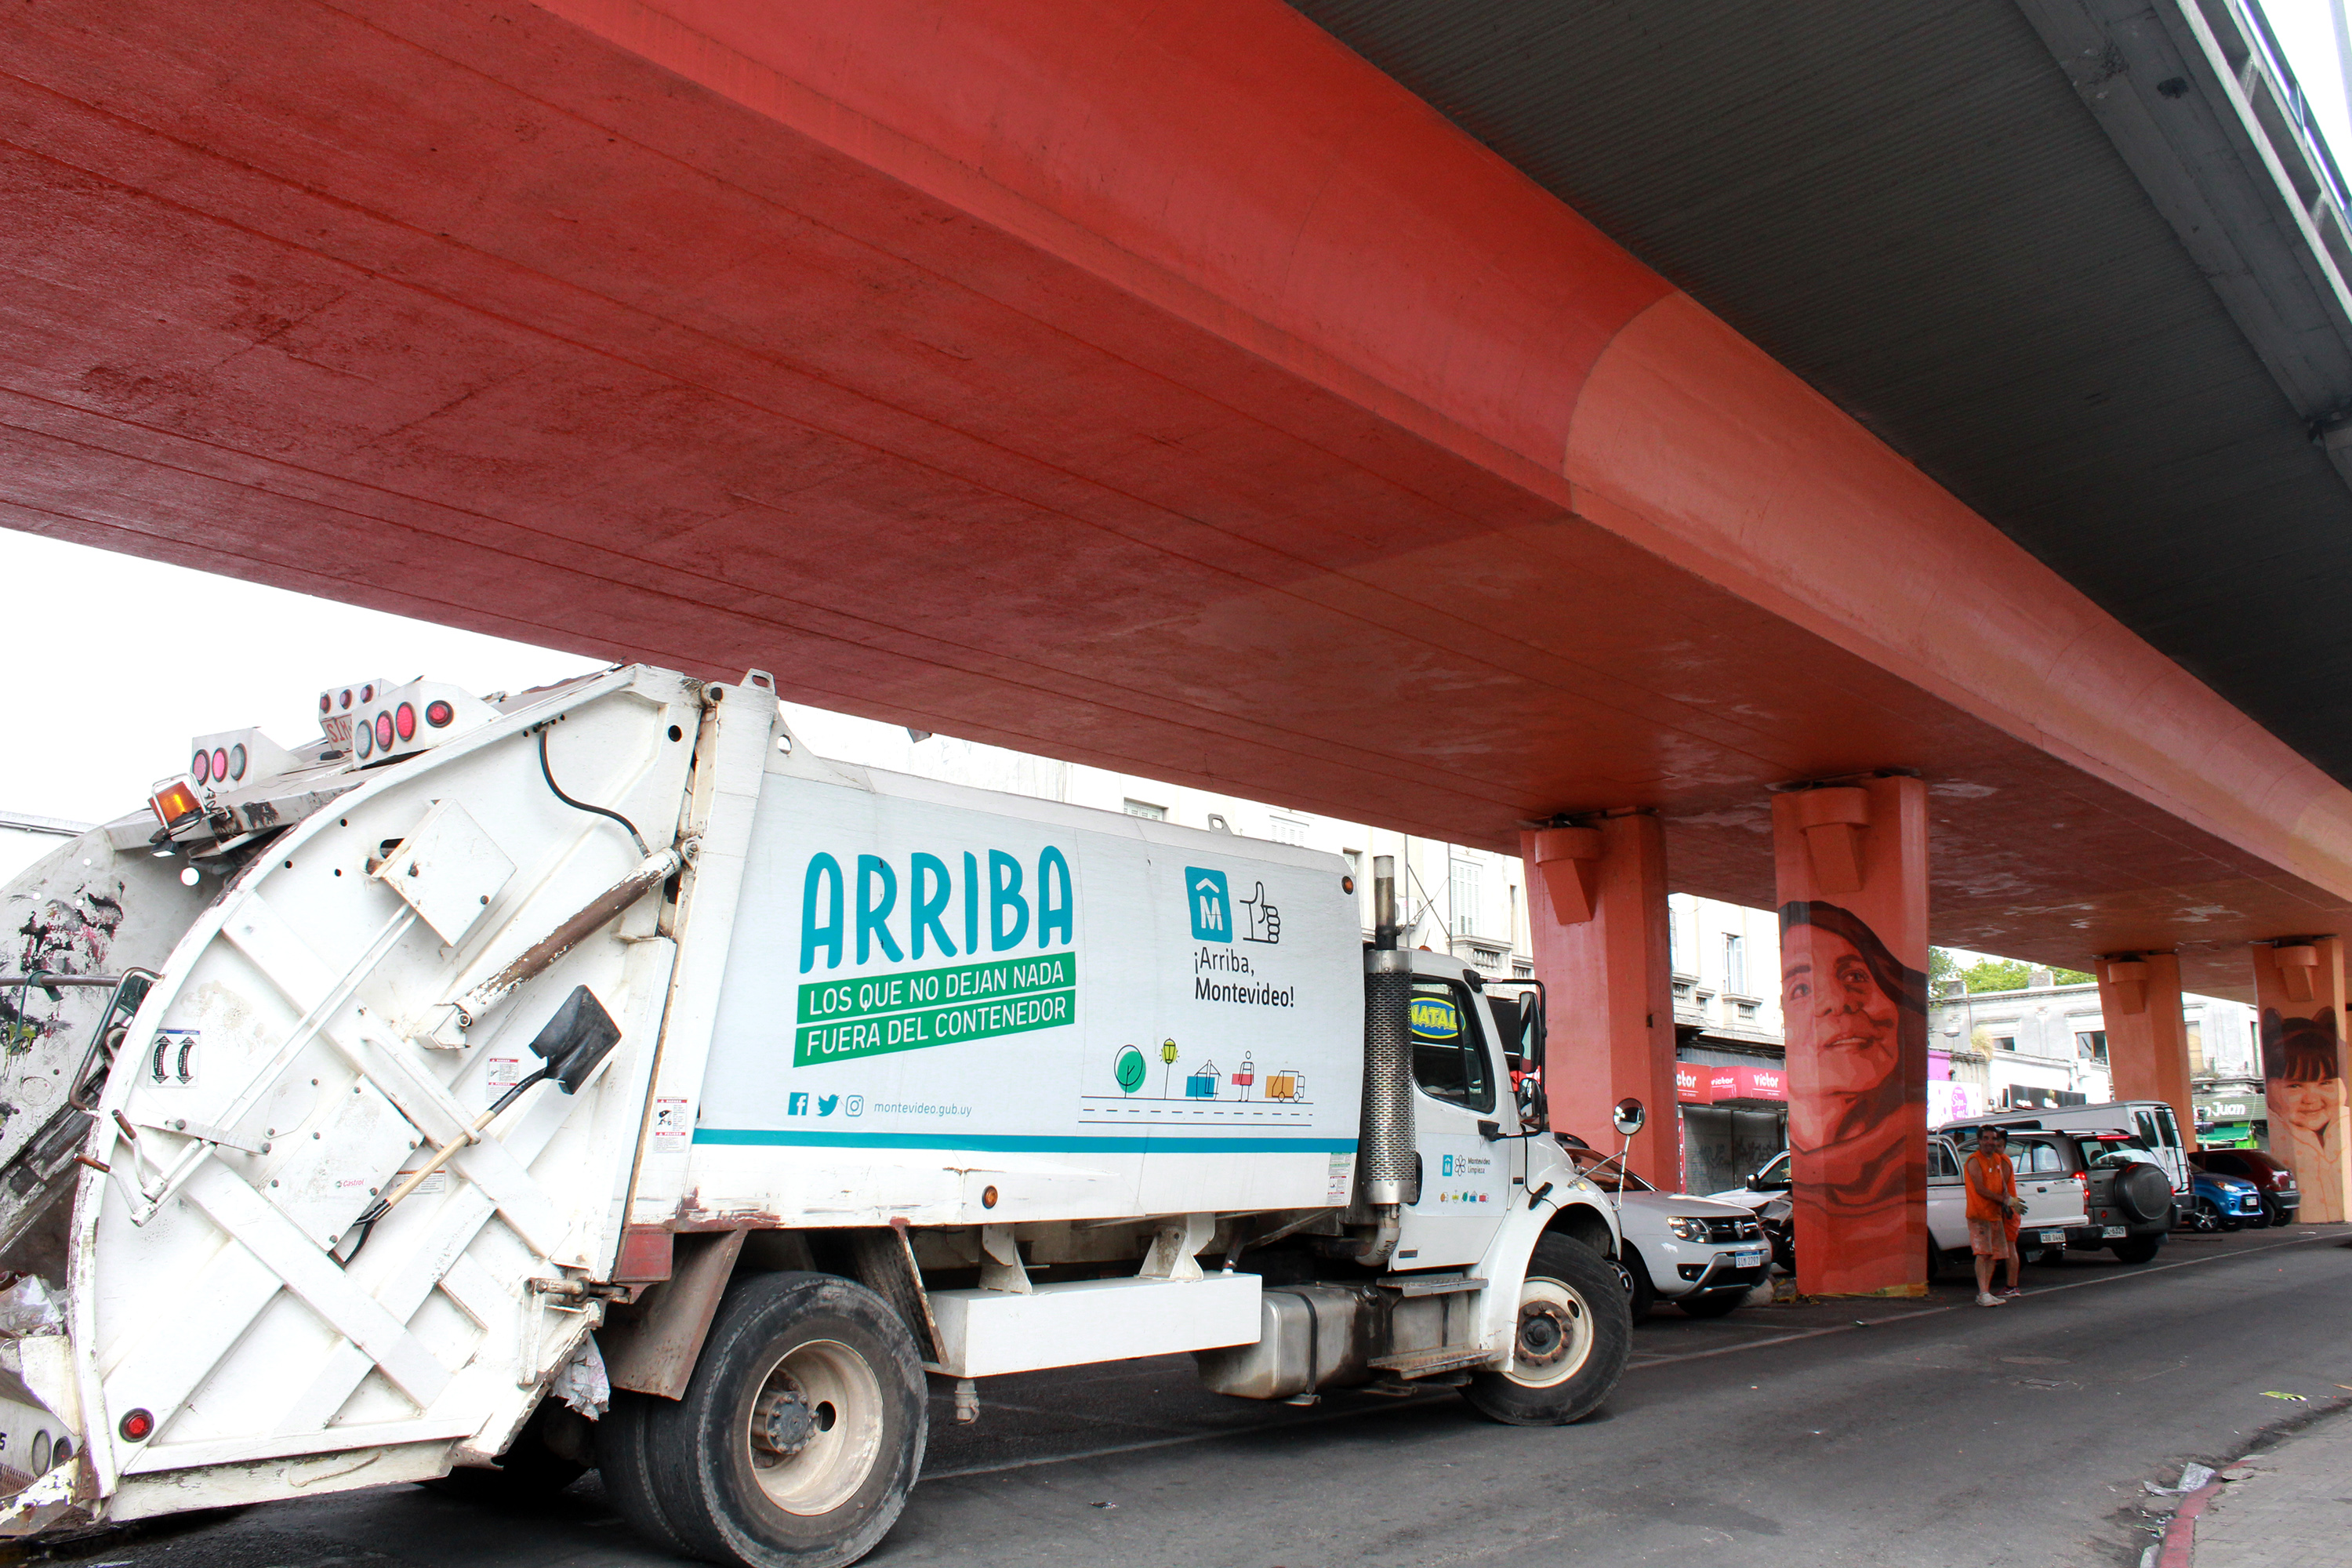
(1212, 903)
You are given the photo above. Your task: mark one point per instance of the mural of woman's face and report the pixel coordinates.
(1829, 996)
(2313, 1106)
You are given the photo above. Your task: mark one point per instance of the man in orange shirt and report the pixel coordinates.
(1992, 1203)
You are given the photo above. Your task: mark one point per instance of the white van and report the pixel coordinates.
(2151, 1121)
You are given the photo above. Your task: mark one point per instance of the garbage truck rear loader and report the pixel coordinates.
(594, 1076)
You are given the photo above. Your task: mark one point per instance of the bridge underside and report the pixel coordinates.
(1175, 394)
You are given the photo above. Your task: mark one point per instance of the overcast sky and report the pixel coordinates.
(114, 662)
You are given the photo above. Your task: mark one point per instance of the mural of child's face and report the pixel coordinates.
(2313, 1106)
(1829, 996)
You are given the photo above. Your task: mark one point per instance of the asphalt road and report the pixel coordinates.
(1885, 1433)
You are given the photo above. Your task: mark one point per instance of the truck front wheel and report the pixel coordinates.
(801, 1429)
(1573, 1336)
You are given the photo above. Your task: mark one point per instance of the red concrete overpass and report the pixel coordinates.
(1175, 388)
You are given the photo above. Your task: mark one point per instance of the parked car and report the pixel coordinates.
(2224, 1202)
(2082, 1192)
(2151, 1122)
(1703, 1256)
(1760, 1186)
(1778, 1217)
(2282, 1198)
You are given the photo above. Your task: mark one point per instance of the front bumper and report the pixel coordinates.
(1720, 1272)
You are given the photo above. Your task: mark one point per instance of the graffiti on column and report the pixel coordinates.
(2303, 1062)
(1857, 1030)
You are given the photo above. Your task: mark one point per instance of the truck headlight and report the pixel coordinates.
(1684, 1229)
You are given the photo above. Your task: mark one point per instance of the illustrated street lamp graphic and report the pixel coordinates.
(1168, 1056)
(1129, 1069)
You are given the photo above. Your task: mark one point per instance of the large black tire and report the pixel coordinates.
(1640, 1295)
(2138, 1249)
(1573, 1338)
(1712, 1303)
(801, 1430)
(624, 1461)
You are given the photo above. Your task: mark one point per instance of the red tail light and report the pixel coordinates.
(201, 764)
(404, 719)
(220, 761)
(383, 731)
(439, 714)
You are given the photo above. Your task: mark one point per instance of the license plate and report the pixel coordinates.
(2052, 1237)
(2111, 1233)
(1754, 1259)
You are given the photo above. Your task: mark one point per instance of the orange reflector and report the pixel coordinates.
(175, 804)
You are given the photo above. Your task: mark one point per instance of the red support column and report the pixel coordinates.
(2300, 986)
(1597, 911)
(1852, 864)
(2147, 1043)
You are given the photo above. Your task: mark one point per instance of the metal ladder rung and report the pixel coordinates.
(1421, 1364)
(1430, 1284)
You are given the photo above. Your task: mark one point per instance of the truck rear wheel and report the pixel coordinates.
(1574, 1334)
(801, 1429)
(624, 1461)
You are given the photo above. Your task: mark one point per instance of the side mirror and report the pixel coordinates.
(1629, 1117)
(1756, 1183)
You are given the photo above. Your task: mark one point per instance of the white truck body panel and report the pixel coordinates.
(867, 1065)
(203, 1290)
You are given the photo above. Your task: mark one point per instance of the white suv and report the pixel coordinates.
(1703, 1256)
(2081, 1191)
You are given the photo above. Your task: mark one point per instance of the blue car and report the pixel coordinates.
(2224, 1202)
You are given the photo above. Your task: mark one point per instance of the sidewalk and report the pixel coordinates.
(2286, 1507)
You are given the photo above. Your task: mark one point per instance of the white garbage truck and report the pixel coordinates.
(493, 1087)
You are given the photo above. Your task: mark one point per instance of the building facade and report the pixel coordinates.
(2046, 1045)
(1730, 1082)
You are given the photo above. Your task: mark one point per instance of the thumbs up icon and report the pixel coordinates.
(1261, 922)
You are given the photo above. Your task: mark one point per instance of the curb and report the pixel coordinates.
(2179, 1548)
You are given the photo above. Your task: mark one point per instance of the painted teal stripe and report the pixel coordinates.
(1171, 1143)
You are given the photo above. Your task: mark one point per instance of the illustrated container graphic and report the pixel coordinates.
(1282, 1085)
(1203, 1084)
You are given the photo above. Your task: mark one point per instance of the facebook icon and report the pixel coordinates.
(796, 1105)
(1212, 904)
